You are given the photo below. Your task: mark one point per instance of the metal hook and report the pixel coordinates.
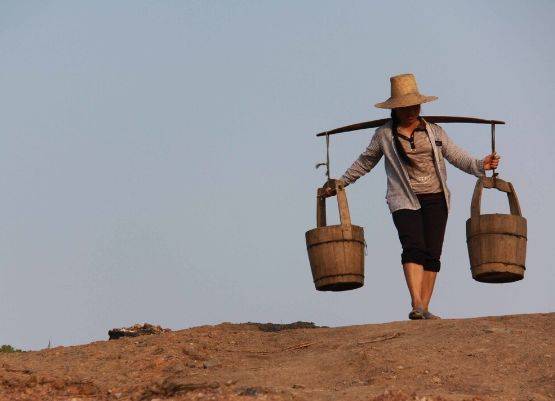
(493, 147)
(328, 155)
(327, 162)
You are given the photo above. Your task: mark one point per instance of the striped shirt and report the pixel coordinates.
(400, 194)
(421, 169)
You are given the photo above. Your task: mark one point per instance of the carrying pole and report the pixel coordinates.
(431, 119)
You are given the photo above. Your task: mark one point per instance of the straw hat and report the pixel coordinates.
(404, 92)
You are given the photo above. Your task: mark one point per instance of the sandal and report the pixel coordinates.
(430, 316)
(416, 314)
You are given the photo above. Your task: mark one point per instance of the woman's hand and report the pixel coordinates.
(329, 192)
(491, 161)
(329, 188)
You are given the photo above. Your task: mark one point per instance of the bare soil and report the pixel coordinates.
(507, 358)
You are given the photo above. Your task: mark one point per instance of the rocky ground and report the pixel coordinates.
(505, 358)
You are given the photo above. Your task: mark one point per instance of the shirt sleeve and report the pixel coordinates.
(459, 157)
(365, 162)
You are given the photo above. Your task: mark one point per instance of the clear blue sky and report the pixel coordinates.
(157, 158)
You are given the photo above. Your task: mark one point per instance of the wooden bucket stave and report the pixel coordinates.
(496, 242)
(336, 253)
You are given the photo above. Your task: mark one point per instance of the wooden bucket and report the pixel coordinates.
(496, 242)
(336, 253)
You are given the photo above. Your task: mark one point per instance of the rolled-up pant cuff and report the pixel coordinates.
(432, 265)
(414, 255)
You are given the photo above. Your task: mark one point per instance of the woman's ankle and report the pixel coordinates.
(417, 304)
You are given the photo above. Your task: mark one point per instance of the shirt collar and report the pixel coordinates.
(422, 125)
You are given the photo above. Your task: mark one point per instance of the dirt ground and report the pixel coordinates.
(505, 358)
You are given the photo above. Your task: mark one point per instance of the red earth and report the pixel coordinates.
(505, 358)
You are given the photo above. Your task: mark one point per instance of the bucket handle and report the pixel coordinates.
(499, 184)
(344, 215)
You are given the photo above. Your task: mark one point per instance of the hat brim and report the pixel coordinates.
(411, 99)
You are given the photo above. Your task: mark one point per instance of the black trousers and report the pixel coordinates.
(421, 231)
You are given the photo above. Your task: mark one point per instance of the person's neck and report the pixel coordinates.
(408, 126)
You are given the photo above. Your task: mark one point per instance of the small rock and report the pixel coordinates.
(58, 384)
(176, 367)
(436, 380)
(274, 327)
(211, 363)
(230, 382)
(192, 350)
(251, 391)
(298, 386)
(174, 385)
(499, 330)
(135, 331)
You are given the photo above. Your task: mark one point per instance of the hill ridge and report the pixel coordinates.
(508, 357)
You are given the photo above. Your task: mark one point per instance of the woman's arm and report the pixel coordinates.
(365, 162)
(459, 157)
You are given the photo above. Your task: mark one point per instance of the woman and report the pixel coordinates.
(417, 193)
